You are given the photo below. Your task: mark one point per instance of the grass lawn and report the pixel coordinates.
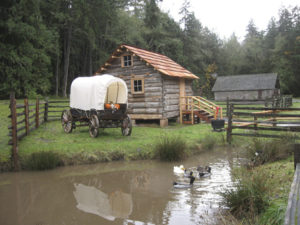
(79, 147)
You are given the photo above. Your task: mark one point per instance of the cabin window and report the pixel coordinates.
(127, 61)
(137, 86)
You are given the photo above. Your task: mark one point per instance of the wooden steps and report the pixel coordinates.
(194, 109)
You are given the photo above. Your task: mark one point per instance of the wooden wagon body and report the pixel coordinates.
(97, 102)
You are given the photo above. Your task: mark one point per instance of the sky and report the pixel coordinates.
(225, 17)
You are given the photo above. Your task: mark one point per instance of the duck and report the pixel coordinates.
(204, 172)
(179, 169)
(184, 185)
(187, 173)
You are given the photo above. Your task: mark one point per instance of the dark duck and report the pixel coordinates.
(204, 172)
(185, 185)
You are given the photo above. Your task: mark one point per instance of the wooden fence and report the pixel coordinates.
(292, 213)
(258, 119)
(27, 117)
(282, 101)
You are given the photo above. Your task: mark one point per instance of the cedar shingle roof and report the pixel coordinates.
(246, 82)
(160, 62)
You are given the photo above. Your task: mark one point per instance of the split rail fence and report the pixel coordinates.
(261, 121)
(26, 117)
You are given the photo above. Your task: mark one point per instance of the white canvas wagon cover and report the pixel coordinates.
(93, 92)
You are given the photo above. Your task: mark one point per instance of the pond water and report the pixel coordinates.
(138, 192)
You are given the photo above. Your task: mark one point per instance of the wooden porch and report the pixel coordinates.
(193, 109)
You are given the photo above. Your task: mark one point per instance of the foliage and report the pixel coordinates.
(248, 197)
(46, 44)
(261, 151)
(43, 161)
(170, 148)
(278, 176)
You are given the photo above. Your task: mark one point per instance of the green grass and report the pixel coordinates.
(5, 122)
(171, 148)
(78, 147)
(78, 144)
(274, 182)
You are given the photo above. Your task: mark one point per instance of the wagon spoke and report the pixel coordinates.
(126, 126)
(94, 126)
(66, 121)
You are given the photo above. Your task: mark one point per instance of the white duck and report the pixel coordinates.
(179, 169)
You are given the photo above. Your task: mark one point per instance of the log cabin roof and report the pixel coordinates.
(159, 62)
(247, 82)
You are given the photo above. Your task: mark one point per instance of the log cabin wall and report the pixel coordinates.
(170, 96)
(148, 105)
(188, 87)
(161, 93)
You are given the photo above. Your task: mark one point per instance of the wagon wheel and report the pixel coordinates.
(94, 126)
(126, 126)
(66, 121)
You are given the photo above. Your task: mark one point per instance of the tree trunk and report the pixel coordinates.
(67, 47)
(57, 73)
(90, 61)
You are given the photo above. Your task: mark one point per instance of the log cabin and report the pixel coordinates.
(156, 84)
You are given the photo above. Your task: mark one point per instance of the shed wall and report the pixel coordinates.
(244, 95)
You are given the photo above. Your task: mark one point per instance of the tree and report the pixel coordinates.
(25, 46)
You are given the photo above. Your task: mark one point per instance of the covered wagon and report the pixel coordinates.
(97, 102)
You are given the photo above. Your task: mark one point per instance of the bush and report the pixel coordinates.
(262, 151)
(43, 161)
(170, 148)
(212, 140)
(248, 197)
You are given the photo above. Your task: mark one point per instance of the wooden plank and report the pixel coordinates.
(58, 101)
(13, 111)
(260, 135)
(246, 127)
(292, 213)
(58, 106)
(37, 108)
(26, 115)
(267, 108)
(145, 105)
(146, 111)
(269, 121)
(266, 115)
(145, 116)
(32, 116)
(54, 111)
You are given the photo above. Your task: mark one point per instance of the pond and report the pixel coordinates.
(138, 192)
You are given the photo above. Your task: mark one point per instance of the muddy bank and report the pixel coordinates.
(86, 158)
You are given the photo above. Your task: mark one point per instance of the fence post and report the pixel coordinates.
(46, 110)
(229, 125)
(255, 122)
(274, 118)
(13, 111)
(296, 154)
(227, 107)
(37, 112)
(26, 110)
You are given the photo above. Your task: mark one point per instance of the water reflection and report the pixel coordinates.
(139, 192)
(92, 200)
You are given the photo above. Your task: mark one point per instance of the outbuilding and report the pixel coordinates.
(155, 82)
(246, 87)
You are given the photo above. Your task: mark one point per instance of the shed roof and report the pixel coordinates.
(160, 62)
(248, 82)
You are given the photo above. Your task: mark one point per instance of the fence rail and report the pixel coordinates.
(27, 117)
(261, 119)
